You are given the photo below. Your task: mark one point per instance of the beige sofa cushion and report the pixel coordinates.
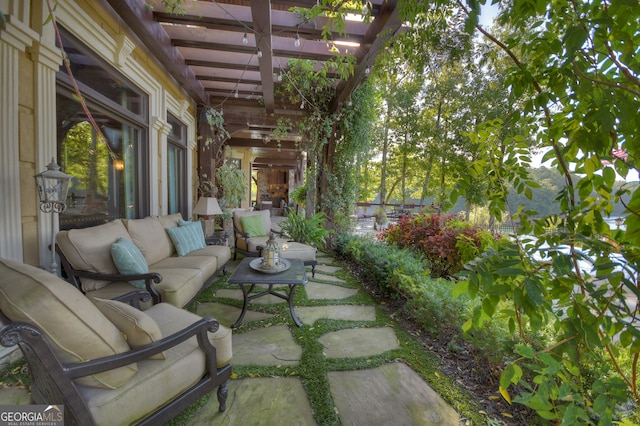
(179, 285)
(139, 329)
(75, 328)
(89, 249)
(158, 381)
(170, 221)
(265, 214)
(151, 238)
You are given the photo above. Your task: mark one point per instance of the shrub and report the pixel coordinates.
(388, 267)
(402, 273)
(304, 230)
(445, 241)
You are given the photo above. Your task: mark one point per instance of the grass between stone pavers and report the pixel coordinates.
(313, 367)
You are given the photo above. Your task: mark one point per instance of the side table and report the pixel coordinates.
(217, 238)
(247, 278)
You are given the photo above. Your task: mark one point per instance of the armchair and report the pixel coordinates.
(252, 229)
(78, 357)
(250, 243)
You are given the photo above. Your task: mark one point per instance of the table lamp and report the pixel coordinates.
(207, 207)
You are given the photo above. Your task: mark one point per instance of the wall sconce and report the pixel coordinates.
(118, 165)
(53, 186)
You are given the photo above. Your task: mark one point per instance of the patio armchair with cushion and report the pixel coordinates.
(106, 361)
(252, 229)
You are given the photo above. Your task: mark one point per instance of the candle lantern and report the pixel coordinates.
(52, 186)
(271, 254)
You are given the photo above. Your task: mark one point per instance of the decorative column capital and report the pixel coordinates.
(17, 34)
(161, 125)
(50, 57)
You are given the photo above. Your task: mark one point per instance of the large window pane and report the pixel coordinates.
(177, 167)
(106, 181)
(110, 172)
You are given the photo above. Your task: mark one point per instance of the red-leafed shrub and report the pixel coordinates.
(446, 241)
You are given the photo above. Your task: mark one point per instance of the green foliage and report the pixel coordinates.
(381, 216)
(215, 120)
(446, 242)
(87, 160)
(299, 195)
(232, 180)
(351, 151)
(304, 230)
(402, 274)
(568, 274)
(388, 267)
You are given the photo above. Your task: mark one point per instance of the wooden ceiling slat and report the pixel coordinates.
(261, 13)
(204, 52)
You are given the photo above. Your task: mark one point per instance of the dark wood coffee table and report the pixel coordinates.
(247, 278)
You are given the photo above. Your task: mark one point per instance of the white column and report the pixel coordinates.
(158, 155)
(14, 38)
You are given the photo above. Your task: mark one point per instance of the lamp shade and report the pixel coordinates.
(207, 206)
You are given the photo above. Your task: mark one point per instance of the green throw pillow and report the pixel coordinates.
(253, 225)
(129, 260)
(187, 237)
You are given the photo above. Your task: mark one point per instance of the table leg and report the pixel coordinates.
(245, 302)
(292, 289)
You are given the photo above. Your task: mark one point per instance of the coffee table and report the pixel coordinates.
(247, 278)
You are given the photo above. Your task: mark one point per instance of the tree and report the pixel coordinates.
(564, 282)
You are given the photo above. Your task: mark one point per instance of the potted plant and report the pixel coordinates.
(299, 195)
(232, 181)
(310, 231)
(380, 217)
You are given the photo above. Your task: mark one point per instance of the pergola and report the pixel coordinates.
(230, 55)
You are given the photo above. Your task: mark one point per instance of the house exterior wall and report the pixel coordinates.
(29, 60)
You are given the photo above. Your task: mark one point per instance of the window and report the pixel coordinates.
(177, 167)
(110, 175)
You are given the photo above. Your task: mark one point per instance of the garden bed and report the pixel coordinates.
(456, 357)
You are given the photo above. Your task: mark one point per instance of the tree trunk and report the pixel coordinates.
(425, 184)
(385, 149)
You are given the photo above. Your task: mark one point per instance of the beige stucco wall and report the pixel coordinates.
(33, 45)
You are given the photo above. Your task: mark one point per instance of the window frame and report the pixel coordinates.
(96, 101)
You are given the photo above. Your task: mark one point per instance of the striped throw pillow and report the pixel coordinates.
(187, 237)
(129, 260)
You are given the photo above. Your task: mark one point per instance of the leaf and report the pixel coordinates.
(460, 288)
(505, 395)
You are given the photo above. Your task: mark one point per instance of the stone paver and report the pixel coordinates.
(327, 269)
(264, 300)
(14, 396)
(391, 394)
(266, 346)
(310, 314)
(319, 291)
(330, 278)
(228, 315)
(359, 342)
(395, 395)
(261, 401)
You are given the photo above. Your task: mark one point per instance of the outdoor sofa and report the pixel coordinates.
(168, 258)
(104, 361)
